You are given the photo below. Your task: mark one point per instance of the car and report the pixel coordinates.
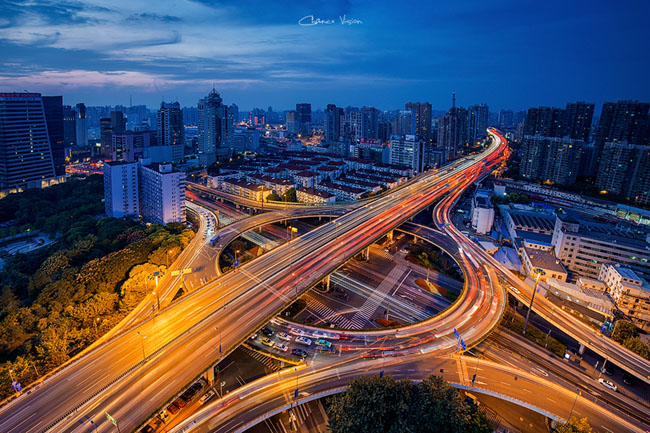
(254, 336)
(284, 336)
(188, 394)
(280, 346)
(627, 378)
(196, 387)
(299, 353)
(267, 332)
(146, 429)
(207, 396)
(180, 402)
(303, 340)
(607, 383)
(514, 289)
(267, 342)
(324, 343)
(173, 408)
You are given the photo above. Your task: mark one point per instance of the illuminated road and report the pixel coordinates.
(181, 342)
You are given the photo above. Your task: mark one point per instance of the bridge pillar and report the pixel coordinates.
(390, 235)
(366, 253)
(327, 282)
(581, 350)
(210, 375)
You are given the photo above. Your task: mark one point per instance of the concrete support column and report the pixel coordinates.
(390, 235)
(210, 375)
(327, 282)
(581, 350)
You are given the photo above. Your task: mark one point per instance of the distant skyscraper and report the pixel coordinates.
(53, 107)
(303, 116)
(506, 119)
(452, 131)
(622, 121)
(118, 122)
(353, 123)
(81, 125)
(190, 116)
(105, 137)
(422, 112)
(551, 159)
(369, 122)
(234, 109)
(26, 159)
(332, 122)
(477, 122)
(292, 122)
(170, 124)
(215, 129)
(404, 123)
(69, 126)
(625, 170)
(578, 120)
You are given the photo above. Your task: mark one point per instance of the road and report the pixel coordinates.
(180, 342)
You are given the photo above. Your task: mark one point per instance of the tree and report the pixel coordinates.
(573, 426)
(623, 330)
(383, 404)
(637, 346)
(273, 197)
(290, 195)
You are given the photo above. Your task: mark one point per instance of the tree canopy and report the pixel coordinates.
(383, 404)
(574, 425)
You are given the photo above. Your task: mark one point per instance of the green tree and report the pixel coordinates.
(273, 197)
(574, 425)
(383, 404)
(637, 346)
(623, 330)
(290, 195)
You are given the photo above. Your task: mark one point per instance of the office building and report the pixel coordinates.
(551, 159)
(452, 131)
(53, 108)
(534, 260)
(81, 126)
(545, 121)
(622, 121)
(121, 192)
(506, 119)
(625, 170)
(246, 140)
(369, 122)
(130, 145)
(69, 126)
(215, 129)
(333, 117)
(405, 150)
(422, 112)
(292, 122)
(162, 194)
(353, 125)
(583, 247)
(303, 117)
(26, 159)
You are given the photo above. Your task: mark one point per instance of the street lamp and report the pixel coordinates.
(574, 403)
(217, 328)
(540, 272)
(143, 337)
(157, 298)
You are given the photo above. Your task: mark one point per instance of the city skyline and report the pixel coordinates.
(507, 55)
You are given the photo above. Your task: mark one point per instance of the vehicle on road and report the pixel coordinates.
(207, 396)
(299, 353)
(267, 342)
(267, 332)
(254, 336)
(324, 343)
(284, 336)
(147, 429)
(303, 340)
(181, 402)
(280, 346)
(514, 289)
(173, 408)
(607, 383)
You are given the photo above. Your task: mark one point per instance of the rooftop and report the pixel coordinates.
(544, 260)
(315, 192)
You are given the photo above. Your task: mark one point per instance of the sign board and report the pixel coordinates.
(111, 419)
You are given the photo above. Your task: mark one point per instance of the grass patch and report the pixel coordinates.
(515, 323)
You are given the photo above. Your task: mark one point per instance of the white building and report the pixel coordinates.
(630, 292)
(162, 194)
(482, 213)
(121, 195)
(405, 150)
(311, 195)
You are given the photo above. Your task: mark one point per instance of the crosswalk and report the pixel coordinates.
(266, 361)
(377, 297)
(323, 311)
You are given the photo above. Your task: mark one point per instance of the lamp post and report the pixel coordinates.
(217, 328)
(540, 272)
(143, 337)
(574, 403)
(157, 298)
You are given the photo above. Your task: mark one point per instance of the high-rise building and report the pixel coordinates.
(130, 145)
(422, 112)
(403, 123)
(234, 110)
(452, 131)
(118, 122)
(477, 122)
(624, 170)
(26, 159)
(578, 120)
(551, 159)
(352, 127)
(81, 127)
(545, 121)
(171, 130)
(105, 137)
(190, 116)
(369, 122)
(215, 129)
(506, 119)
(303, 117)
(622, 121)
(406, 150)
(162, 194)
(69, 126)
(333, 117)
(121, 192)
(53, 108)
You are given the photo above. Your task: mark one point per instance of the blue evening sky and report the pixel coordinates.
(506, 53)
